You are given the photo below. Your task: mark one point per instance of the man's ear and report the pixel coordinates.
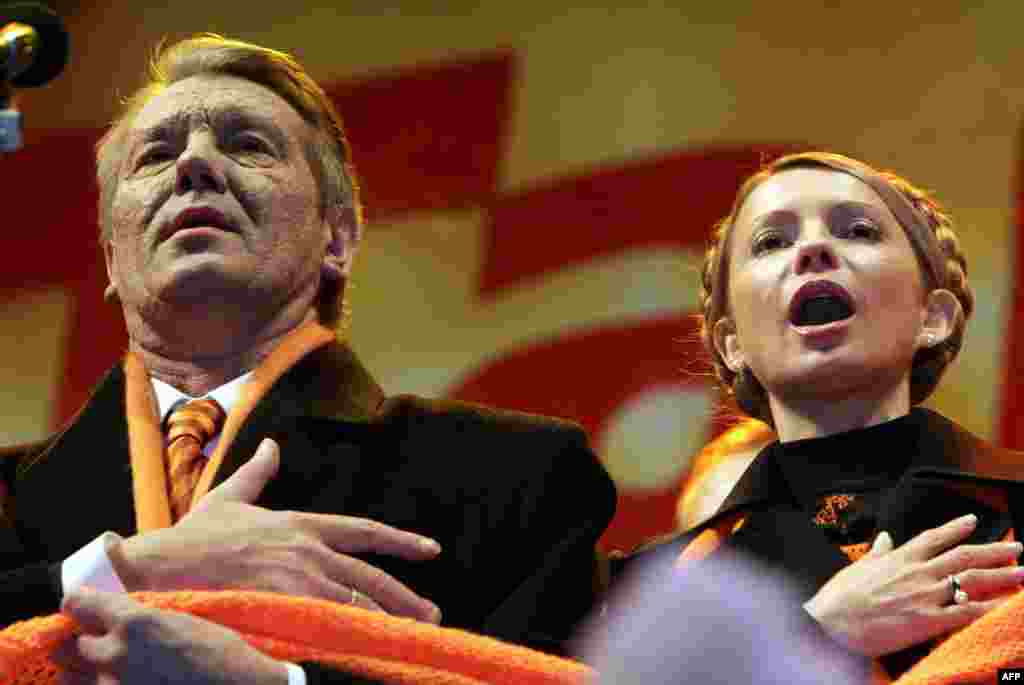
(344, 231)
(727, 344)
(941, 313)
(110, 292)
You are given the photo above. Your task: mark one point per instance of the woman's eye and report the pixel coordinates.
(769, 241)
(862, 228)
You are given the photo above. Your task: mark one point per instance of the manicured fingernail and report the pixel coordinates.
(434, 615)
(430, 546)
(969, 520)
(1015, 546)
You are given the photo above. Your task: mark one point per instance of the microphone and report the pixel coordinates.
(33, 50)
(33, 44)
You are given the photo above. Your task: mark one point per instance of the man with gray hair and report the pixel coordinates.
(239, 444)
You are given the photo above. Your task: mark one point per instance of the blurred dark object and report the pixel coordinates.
(34, 44)
(66, 8)
(34, 49)
(725, 620)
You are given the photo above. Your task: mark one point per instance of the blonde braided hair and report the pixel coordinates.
(928, 364)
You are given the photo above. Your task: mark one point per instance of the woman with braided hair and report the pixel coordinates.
(833, 298)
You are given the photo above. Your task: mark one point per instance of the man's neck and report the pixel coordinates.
(197, 365)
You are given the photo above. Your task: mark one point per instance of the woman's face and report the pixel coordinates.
(825, 297)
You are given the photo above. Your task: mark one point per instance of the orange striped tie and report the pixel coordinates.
(189, 428)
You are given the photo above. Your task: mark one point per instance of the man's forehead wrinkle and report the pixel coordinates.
(167, 124)
(228, 114)
(233, 114)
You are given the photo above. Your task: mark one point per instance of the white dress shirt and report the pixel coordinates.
(91, 566)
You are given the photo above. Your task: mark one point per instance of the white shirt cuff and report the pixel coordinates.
(296, 676)
(90, 566)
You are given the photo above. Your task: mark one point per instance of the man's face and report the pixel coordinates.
(216, 202)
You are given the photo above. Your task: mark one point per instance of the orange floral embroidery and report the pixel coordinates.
(831, 507)
(855, 552)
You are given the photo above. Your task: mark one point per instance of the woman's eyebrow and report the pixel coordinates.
(773, 215)
(858, 207)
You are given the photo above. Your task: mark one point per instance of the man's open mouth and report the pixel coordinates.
(194, 217)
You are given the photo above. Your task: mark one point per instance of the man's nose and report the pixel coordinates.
(201, 166)
(815, 256)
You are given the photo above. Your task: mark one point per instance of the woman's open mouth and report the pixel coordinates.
(821, 307)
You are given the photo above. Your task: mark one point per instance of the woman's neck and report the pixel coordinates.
(806, 417)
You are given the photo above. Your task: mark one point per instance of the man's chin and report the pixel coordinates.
(204, 279)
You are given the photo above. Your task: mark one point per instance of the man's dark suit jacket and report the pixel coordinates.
(516, 501)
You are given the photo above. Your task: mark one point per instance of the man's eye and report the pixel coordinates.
(154, 156)
(251, 144)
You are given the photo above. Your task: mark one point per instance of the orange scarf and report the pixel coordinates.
(146, 442)
(393, 650)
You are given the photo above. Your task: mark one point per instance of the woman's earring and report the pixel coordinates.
(744, 380)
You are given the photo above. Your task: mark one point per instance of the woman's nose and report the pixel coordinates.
(815, 256)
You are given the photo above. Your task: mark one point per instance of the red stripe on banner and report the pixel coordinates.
(1011, 428)
(51, 237)
(586, 376)
(49, 226)
(430, 137)
(96, 338)
(672, 201)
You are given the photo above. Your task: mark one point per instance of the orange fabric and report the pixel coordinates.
(711, 539)
(189, 428)
(146, 442)
(975, 653)
(394, 650)
(855, 552)
(146, 445)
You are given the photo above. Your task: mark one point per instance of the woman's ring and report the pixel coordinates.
(959, 595)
